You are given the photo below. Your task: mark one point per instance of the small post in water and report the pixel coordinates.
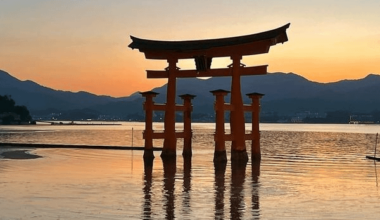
(132, 138)
(377, 134)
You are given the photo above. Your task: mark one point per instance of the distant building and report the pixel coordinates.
(362, 119)
(300, 117)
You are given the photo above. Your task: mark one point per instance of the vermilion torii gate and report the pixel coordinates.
(202, 51)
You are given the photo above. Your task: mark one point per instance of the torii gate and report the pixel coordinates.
(202, 51)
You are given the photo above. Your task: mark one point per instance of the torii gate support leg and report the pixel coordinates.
(255, 148)
(148, 133)
(220, 155)
(187, 151)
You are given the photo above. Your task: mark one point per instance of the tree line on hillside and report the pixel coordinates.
(331, 117)
(10, 113)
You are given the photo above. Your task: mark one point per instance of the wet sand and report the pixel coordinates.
(19, 155)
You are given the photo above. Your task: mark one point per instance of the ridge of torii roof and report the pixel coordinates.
(271, 37)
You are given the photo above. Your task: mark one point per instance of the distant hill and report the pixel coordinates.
(285, 93)
(37, 97)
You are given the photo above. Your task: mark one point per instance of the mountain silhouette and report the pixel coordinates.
(285, 93)
(37, 97)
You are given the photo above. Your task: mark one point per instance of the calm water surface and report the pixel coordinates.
(306, 172)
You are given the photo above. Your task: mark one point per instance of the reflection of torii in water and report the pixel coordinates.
(202, 51)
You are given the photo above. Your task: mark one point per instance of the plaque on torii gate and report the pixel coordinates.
(203, 51)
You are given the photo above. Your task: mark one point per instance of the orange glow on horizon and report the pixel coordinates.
(85, 46)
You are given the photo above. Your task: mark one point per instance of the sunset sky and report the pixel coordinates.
(82, 45)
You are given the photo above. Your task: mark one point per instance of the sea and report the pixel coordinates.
(307, 171)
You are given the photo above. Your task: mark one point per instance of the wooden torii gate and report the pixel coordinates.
(202, 51)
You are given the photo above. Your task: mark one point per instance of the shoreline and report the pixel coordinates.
(19, 155)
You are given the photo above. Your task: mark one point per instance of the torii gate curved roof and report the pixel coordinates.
(242, 45)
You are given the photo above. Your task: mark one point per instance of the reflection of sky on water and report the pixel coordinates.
(302, 175)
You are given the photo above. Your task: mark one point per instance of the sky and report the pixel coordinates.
(82, 45)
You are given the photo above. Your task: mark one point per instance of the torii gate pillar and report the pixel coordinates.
(170, 141)
(237, 122)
